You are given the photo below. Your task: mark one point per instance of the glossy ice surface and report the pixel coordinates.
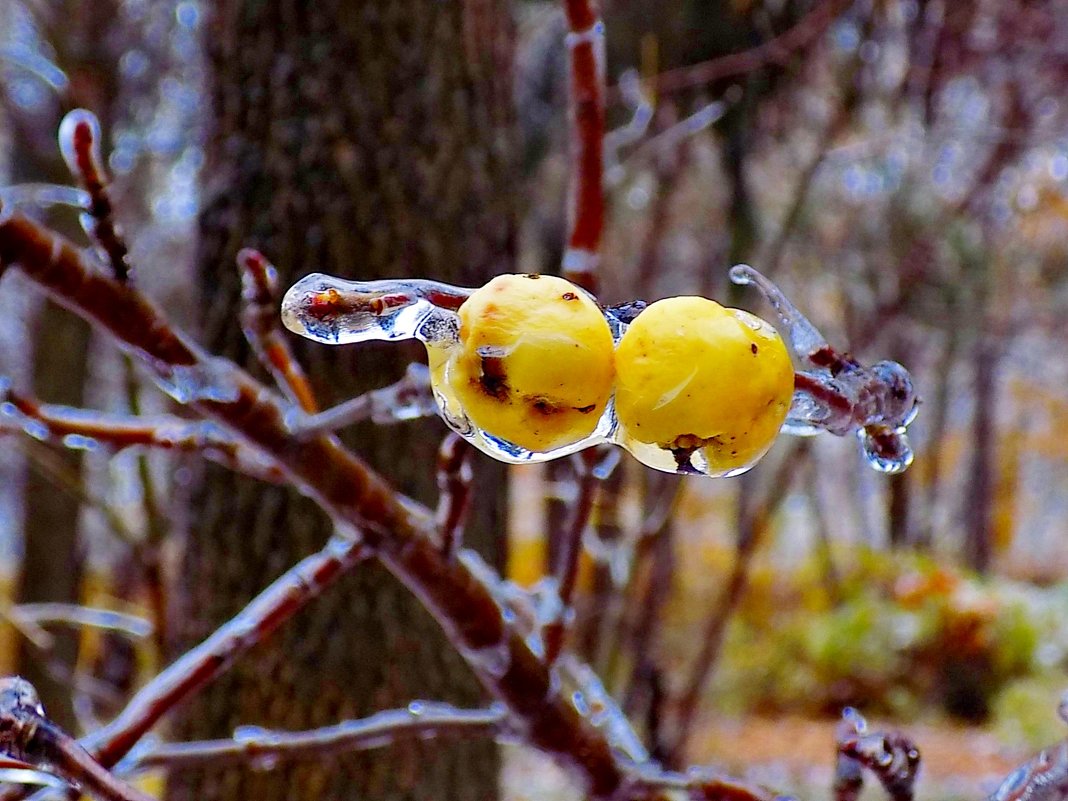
(543, 367)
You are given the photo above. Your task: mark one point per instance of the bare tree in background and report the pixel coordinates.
(364, 139)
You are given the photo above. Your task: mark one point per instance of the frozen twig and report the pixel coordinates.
(454, 486)
(79, 428)
(586, 206)
(79, 141)
(27, 736)
(630, 88)
(420, 719)
(44, 614)
(893, 758)
(566, 571)
(400, 533)
(407, 399)
(287, 595)
(262, 328)
(670, 138)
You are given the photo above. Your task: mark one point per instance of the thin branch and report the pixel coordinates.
(79, 428)
(566, 571)
(420, 719)
(27, 736)
(454, 486)
(586, 204)
(262, 328)
(77, 616)
(79, 141)
(776, 51)
(409, 398)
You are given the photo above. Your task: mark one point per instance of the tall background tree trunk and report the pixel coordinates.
(51, 562)
(366, 138)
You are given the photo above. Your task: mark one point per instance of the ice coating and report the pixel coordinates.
(835, 393)
(839, 394)
(802, 335)
(339, 312)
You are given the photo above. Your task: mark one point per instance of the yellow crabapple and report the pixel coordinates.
(695, 377)
(534, 365)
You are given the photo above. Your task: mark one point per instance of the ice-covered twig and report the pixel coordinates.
(893, 758)
(46, 614)
(454, 486)
(80, 428)
(44, 196)
(839, 394)
(407, 399)
(329, 309)
(420, 719)
(630, 89)
(79, 142)
(566, 569)
(586, 206)
(287, 595)
(30, 59)
(260, 324)
(28, 736)
(706, 116)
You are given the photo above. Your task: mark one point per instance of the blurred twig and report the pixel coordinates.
(586, 205)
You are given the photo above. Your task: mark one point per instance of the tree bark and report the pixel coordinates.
(365, 139)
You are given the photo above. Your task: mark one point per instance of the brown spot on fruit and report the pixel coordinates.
(753, 347)
(532, 276)
(585, 409)
(545, 406)
(493, 378)
(569, 296)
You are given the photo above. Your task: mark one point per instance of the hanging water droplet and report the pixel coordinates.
(886, 449)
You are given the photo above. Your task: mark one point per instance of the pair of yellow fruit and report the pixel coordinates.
(537, 365)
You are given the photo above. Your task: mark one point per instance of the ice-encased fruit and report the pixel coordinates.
(534, 366)
(703, 382)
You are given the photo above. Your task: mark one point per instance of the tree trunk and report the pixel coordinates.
(83, 36)
(364, 139)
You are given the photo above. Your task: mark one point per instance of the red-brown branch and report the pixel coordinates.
(776, 51)
(83, 158)
(454, 486)
(262, 328)
(566, 571)
(585, 44)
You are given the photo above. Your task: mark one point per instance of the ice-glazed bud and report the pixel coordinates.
(534, 365)
(707, 384)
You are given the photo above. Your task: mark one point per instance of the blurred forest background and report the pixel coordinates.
(899, 167)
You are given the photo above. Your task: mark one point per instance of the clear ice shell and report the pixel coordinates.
(336, 312)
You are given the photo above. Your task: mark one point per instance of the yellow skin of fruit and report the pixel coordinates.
(535, 362)
(691, 374)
